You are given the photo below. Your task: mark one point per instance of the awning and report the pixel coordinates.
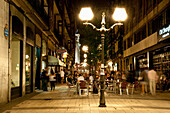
(52, 60)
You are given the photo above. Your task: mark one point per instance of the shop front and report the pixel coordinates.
(161, 59)
(29, 69)
(17, 57)
(161, 55)
(158, 55)
(29, 59)
(37, 58)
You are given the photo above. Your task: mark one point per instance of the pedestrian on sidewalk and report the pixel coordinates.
(44, 77)
(143, 77)
(62, 76)
(52, 79)
(153, 77)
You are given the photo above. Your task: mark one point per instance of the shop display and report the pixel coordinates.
(143, 63)
(161, 62)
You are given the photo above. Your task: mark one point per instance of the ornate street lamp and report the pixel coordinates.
(86, 14)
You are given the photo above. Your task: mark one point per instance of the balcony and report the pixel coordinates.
(39, 9)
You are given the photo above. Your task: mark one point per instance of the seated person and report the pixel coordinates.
(80, 77)
(70, 80)
(123, 76)
(91, 79)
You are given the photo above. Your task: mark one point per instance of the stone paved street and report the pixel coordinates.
(64, 101)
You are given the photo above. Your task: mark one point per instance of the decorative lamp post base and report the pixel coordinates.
(102, 105)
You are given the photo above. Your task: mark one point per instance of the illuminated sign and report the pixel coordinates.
(164, 30)
(164, 33)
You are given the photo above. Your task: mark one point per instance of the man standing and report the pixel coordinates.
(153, 77)
(144, 81)
(62, 76)
(44, 78)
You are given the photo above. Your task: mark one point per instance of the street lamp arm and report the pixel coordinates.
(115, 25)
(103, 27)
(87, 23)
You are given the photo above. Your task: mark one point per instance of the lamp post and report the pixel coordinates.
(119, 15)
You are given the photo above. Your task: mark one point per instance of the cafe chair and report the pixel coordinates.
(124, 85)
(83, 85)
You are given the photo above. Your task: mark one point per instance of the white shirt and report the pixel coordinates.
(91, 78)
(51, 77)
(81, 78)
(62, 74)
(152, 75)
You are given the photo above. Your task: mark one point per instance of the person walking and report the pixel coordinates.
(62, 76)
(52, 80)
(44, 78)
(144, 81)
(153, 77)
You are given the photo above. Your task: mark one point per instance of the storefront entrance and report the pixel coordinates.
(37, 67)
(17, 66)
(16, 57)
(29, 69)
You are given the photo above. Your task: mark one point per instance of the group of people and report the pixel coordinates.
(50, 78)
(73, 79)
(147, 79)
(154, 80)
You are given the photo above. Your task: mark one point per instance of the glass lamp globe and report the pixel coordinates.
(120, 14)
(86, 14)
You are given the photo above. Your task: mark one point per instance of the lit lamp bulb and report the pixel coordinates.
(85, 55)
(85, 60)
(85, 48)
(120, 14)
(84, 64)
(86, 14)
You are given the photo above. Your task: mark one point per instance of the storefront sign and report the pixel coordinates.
(38, 40)
(164, 33)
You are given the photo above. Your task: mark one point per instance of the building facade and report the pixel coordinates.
(32, 30)
(4, 63)
(146, 43)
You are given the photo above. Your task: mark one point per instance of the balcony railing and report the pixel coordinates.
(40, 10)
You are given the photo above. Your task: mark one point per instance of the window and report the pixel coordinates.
(167, 16)
(138, 37)
(154, 3)
(149, 5)
(28, 59)
(149, 28)
(129, 42)
(143, 32)
(16, 63)
(159, 1)
(124, 45)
